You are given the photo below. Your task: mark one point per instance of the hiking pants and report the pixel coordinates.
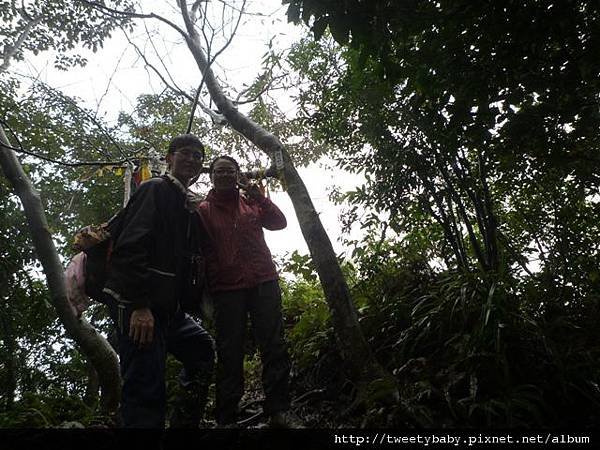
(263, 304)
(143, 398)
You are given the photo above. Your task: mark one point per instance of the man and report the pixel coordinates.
(154, 279)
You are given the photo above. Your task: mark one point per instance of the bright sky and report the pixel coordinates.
(115, 76)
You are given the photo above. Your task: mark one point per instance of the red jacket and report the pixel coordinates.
(238, 256)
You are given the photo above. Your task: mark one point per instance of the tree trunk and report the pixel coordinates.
(9, 380)
(91, 343)
(355, 350)
(90, 397)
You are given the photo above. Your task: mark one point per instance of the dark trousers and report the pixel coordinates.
(143, 397)
(263, 304)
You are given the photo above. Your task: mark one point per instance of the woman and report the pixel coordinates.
(243, 281)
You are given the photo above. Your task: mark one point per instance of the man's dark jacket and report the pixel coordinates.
(155, 260)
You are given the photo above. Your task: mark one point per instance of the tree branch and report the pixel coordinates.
(20, 149)
(173, 87)
(94, 346)
(161, 59)
(112, 75)
(11, 50)
(188, 22)
(189, 25)
(134, 15)
(265, 88)
(93, 119)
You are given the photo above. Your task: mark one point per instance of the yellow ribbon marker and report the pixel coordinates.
(145, 172)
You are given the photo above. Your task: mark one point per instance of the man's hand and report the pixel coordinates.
(141, 326)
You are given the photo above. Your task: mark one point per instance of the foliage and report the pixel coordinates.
(43, 376)
(44, 380)
(45, 122)
(467, 124)
(42, 25)
(156, 119)
(476, 280)
(465, 354)
(473, 125)
(307, 318)
(361, 24)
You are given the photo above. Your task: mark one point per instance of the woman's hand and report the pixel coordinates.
(252, 190)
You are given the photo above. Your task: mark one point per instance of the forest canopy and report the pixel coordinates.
(472, 127)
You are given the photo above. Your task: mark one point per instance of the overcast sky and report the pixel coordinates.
(115, 76)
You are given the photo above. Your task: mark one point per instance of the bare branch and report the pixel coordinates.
(134, 15)
(266, 87)
(161, 60)
(189, 24)
(67, 164)
(233, 33)
(206, 24)
(245, 12)
(196, 7)
(109, 83)
(173, 87)
(195, 103)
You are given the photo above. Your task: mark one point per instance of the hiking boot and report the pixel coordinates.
(189, 405)
(285, 419)
(228, 426)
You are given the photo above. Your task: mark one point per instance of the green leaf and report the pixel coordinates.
(339, 30)
(319, 27)
(307, 10)
(293, 13)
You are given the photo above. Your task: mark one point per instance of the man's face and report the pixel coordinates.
(185, 163)
(224, 175)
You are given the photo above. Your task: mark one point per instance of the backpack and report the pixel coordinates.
(86, 274)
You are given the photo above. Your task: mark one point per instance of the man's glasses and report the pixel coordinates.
(225, 171)
(198, 156)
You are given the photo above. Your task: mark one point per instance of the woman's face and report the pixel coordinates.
(224, 175)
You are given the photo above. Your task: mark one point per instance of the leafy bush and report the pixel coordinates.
(467, 349)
